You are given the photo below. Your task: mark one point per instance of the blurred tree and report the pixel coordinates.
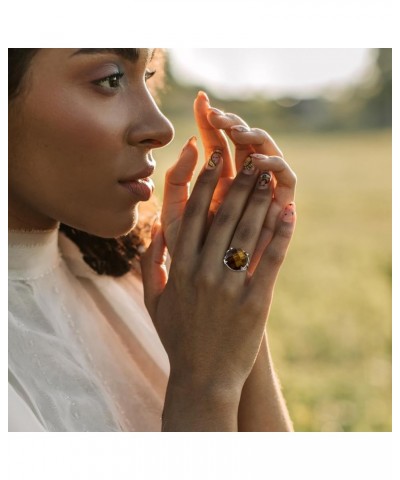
(377, 111)
(365, 105)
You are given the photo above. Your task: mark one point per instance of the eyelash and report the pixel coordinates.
(149, 73)
(114, 77)
(117, 77)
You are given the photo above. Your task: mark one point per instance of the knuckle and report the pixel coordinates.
(180, 270)
(261, 197)
(245, 232)
(192, 209)
(227, 291)
(275, 256)
(254, 306)
(205, 280)
(204, 178)
(222, 217)
(285, 230)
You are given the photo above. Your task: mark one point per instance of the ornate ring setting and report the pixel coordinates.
(237, 259)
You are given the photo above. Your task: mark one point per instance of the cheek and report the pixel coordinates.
(73, 129)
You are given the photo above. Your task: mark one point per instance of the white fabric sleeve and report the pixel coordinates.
(20, 416)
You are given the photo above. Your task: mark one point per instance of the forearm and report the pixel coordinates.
(262, 406)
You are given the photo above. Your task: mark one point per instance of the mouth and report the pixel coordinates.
(140, 185)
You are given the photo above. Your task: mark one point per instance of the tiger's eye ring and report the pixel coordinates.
(237, 259)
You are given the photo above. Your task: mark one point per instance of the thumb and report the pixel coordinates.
(182, 171)
(154, 272)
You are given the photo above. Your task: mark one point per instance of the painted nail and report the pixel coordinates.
(259, 156)
(248, 166)
(214, 159)
(217, 111)
(263, 180)
(240, 128)
(289, 213)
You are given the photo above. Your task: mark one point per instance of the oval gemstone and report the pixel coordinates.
(236, 259)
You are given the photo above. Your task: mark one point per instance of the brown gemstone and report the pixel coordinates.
(236, 259)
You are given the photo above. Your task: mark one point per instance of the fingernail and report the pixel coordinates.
(192, 140)
(248, 166)
(240, 128)
(258, 155)
(289, 213)
(214, 159)
(263, 180)
(216, 111)
(200, 92)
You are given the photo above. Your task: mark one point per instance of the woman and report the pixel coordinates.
(83, 351)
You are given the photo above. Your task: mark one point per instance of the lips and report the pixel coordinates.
(139, 184)
(145, 173)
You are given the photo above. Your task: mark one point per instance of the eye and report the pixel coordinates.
(111, 82)
(148, 74)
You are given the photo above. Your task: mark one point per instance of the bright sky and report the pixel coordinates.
(302, 72)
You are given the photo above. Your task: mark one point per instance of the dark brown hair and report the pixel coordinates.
(108, 256)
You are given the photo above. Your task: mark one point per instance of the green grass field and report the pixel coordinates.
(330, 324)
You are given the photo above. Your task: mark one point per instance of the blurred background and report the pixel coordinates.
(329, 110)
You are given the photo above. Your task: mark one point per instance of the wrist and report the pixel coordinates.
(191, 406)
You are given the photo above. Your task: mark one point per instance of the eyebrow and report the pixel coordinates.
(131, 54)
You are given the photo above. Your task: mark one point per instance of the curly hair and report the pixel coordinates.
(106, 256)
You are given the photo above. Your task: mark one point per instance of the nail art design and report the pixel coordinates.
(263, 180)
(248, 167)
(289, 213)
(214, 159)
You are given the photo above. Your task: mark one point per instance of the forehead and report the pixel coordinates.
(131, 54)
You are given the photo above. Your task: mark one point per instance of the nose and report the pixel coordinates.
(150, 128)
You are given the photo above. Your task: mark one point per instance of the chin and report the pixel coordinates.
(117, 226)
(117, 230)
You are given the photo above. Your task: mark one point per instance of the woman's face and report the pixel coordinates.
(80, 141)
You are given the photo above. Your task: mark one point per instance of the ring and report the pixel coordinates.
(237, 259)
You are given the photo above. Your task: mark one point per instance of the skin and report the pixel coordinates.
(74, 133)
(233, 396)
(71, 141)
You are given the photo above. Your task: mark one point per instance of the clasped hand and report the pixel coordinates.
(211, 319)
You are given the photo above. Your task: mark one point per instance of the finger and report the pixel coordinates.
(153, 269)
(177, 184)
(284, 191)
(245, 139)
(254, 136)
(211, 137)
(272, 258)
(248, 231)
(195, 215)
(181, 173)
(227, 218)
(284, 175)
(261, 141)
